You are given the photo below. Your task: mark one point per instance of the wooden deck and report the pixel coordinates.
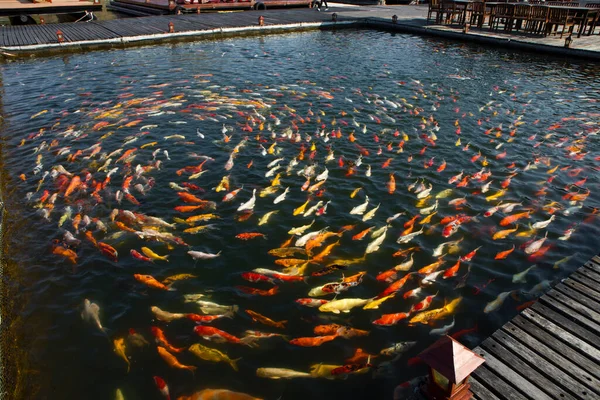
(18, 7)
(42, 39)
(549, 351)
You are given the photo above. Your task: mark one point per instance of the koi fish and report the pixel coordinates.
(513, 218)
(496, 303)
(172, 361)
(150, 281)
(214, 355)
(535, 246)
(391, 319)
(312, 341)
(504, 233)
(264, 320)
(344, 305)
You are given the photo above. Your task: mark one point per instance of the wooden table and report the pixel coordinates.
(579, 14)
(459, 7)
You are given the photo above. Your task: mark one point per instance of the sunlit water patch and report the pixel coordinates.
(450, 186)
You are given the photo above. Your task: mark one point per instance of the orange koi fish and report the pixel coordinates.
(89, 236)
(126, 154)
(442, 166)
(361, 235)
(189, 198)
(401, 253)
(108, 251)
(513, 218)
(172, 361)
(452, 271)
(503, 254)
(391, 319)
(431, 267)
(250, 235)
(67, 253)
(259, 292)
(216, 335)
(391, 185)
(161, 340)
(149, 280)
(411, 222)
(394, 287)
(75, 183)
(312, 341)
(185, 209)
(360, 356)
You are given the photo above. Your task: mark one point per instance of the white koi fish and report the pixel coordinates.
(409, 237)
(543, 224)
(360, 210)
(535, 246)
(198, 255)
(249, 205)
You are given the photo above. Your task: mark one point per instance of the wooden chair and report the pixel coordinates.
(537, 20)
(520, 15)
(501, 13)
(478, 14)
(558, 17)
(435, 6)
(450, 12)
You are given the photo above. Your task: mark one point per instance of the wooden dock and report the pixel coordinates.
(549, 351)
(42, 39)
(27, 7)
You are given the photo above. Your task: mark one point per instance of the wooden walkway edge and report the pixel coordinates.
(550, 350)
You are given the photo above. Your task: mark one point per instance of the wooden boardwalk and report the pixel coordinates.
(42, 39)
(549, 351)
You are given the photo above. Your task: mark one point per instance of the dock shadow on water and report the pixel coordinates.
(215, 215)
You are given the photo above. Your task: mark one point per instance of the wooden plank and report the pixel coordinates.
(548, 369)
(500, 387)
(566, 324)
(480, 391)
(570, 313)
(585, 281)
(544, 352)
(576, 302)
(560, 341)
(596, 260)
(580, 288)
(19, 36)
(590, 301)
(531, 375)
(592, 266)
(22, 35)
(589, 272)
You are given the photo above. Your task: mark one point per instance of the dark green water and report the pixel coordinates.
(542, 111)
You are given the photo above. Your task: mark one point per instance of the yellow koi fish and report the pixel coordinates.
(500, 193)
(149, 253)
(504, 233)
(300, 210)
(120, 350)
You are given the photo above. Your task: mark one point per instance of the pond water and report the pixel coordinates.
(94, 145)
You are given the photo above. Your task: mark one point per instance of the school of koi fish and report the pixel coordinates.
(324, 213)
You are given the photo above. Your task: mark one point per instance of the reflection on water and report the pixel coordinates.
(471, 171)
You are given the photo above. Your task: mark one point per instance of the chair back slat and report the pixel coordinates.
(521, 11)
(539, 12)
